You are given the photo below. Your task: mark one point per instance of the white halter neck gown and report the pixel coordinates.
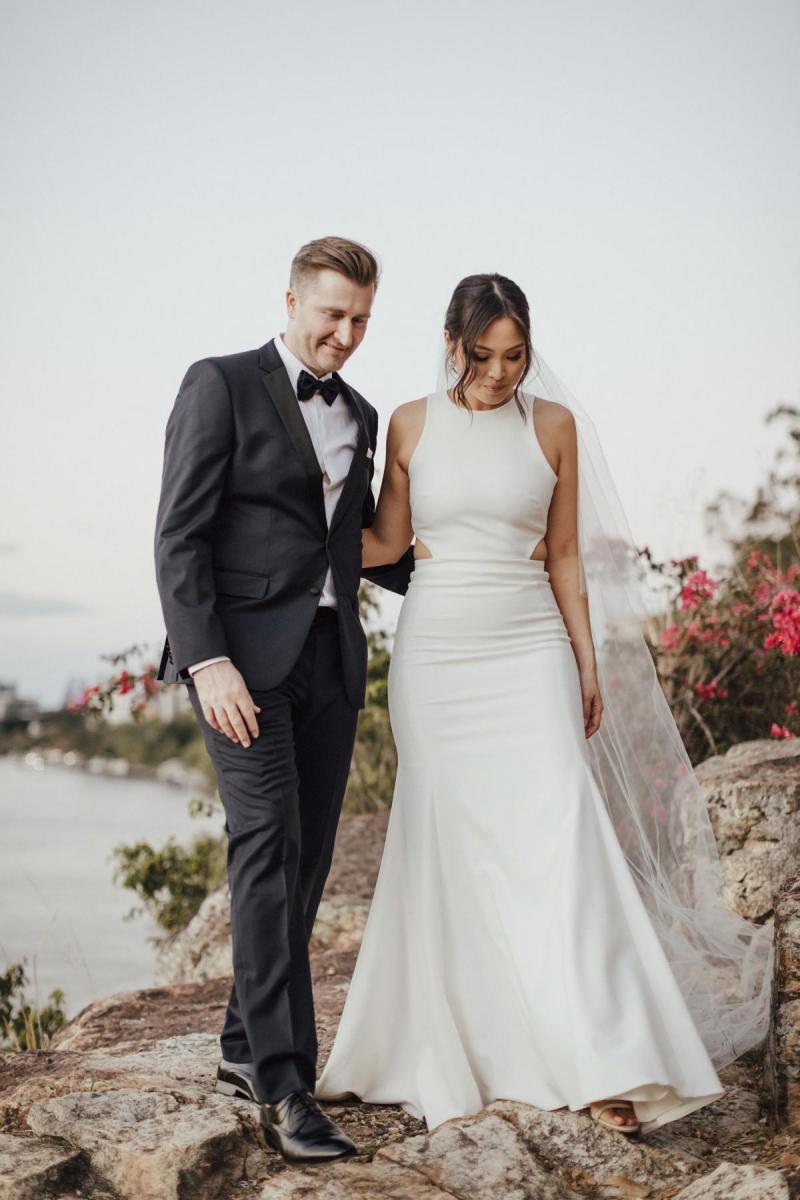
(507, 953)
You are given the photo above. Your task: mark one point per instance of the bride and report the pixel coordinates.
(547, 924)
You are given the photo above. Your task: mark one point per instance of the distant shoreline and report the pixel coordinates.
(173, 771)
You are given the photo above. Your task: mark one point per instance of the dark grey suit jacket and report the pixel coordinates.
(242, 544)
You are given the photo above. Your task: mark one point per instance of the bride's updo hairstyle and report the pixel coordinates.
(478, 301)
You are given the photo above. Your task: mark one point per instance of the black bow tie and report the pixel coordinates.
(308, 384)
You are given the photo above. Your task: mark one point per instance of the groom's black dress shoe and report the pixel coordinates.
(299, 1129)
(231, 1082)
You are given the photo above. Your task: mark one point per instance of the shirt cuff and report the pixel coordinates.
(207, 663)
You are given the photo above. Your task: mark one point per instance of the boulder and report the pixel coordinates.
(753, 797)
(782, 1060)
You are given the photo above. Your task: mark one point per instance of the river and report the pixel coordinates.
(59, 908)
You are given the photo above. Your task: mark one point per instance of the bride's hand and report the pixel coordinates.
(592, 702)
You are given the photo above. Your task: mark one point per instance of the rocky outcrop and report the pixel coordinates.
(753, 798)
(122, 1105)
(782, 1063)
(116, 1117)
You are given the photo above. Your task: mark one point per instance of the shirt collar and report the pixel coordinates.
(293, 364)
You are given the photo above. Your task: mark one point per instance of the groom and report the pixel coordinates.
(267, 484)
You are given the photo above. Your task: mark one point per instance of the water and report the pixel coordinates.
(59, 907)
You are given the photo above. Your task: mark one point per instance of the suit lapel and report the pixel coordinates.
(281, 393)
(353, 486)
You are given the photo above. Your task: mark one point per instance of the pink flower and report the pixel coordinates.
(710, 691)
(780, 731)
(762, 594)
(755, 557)
(670, 637)
(785, 613)
(791, 709)
(698, 587)
(125, 681)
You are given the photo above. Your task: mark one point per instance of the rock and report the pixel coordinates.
(203, 949)
(753, 796)
(705, 1131)
(736, 1181)
(354, 1181)
(137, 1018)
(340, 923)
(485, 1156)
(147, 1146)
(576, 1147)
(782, 1060)
(31, 1167)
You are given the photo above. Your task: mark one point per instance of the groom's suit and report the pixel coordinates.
(244, 552)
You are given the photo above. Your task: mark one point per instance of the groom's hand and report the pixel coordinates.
(226, 703)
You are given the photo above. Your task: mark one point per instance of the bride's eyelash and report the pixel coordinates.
(512, 358)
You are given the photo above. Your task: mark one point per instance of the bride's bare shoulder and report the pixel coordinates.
(552, 411)
(410, 412)
(405, 428)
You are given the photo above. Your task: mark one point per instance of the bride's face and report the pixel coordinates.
(498, 358)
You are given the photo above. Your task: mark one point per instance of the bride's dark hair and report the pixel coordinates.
(477, 301)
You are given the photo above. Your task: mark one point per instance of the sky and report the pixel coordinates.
(632, 165)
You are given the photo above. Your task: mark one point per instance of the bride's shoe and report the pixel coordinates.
(597, 1109)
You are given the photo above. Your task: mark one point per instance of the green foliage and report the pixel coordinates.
(372, 772)
(171, 882)
(22, 1026)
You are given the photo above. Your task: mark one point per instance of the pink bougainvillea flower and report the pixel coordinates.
(755, 557)
(125, 681)
(710, 691)
(780, 731)
(791, 709)
(785, 614)
(670, 637)
(698, 587)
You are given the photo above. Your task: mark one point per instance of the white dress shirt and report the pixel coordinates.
(334, 434)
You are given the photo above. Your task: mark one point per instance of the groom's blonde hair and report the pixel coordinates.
(350, 259)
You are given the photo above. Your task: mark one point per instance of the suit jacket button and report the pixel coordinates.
(315, 591)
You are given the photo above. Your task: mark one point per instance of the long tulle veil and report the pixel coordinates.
(721, 961)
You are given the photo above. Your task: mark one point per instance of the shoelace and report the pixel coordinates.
(308, 1103)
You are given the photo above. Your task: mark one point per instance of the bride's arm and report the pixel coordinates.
(562, 562)
(390, 533)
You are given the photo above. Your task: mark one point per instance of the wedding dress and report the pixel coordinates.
(508, 953)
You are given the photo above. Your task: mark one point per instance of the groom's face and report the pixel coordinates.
(328, 315)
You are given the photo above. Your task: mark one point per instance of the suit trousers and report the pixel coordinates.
(282, 798)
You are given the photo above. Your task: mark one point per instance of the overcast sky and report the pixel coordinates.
(633, 165)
